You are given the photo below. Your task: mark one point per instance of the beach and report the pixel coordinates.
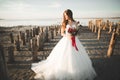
(19, 68)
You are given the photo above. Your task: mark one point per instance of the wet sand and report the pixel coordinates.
(106, 68)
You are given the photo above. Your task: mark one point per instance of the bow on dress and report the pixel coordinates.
(74, 42)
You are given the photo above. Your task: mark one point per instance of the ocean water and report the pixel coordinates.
(46, 22)
(36, 22)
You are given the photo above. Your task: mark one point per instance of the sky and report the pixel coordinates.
(40, 9)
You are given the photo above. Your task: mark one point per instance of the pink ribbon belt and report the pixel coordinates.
(74, 42)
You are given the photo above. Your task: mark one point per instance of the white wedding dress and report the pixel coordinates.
(65, 62)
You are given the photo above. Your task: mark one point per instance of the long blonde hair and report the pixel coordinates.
(65, 22)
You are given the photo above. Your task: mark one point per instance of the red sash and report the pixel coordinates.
(74, 42)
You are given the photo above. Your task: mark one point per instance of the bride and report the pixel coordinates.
(68, 60)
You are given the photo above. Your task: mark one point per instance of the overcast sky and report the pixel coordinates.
(37, 9)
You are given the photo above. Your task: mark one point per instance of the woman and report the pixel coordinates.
(68, 60)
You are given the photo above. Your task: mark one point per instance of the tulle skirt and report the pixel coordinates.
(65, 63)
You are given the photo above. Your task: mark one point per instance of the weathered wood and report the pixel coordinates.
(27, 35)
(107, 24)
(34, 32)
(104, 24)
(97, 23)
(99, 33)
(11, 37)
(59, 29)
(30, 33)
(3, 67)
(111, 44)
(90, 24)
(55, 31)
(110, 27)
(40, 40)
(11, 54)
(118, 28)
(37, 30)
(95, 30)
(17, 43)
(99, 29)
(52, 33)
(20, 36)
(23, 38)
(46, 34)
(34, 49)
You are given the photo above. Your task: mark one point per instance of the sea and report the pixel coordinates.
(47, 22)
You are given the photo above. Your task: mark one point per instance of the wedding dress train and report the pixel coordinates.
(65, 62)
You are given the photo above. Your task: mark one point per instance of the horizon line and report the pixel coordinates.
(61, 18)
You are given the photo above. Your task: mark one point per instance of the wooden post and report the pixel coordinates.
(17, 43)
(118, 29)
(92, 26)
(95, 26)
(34, 32)
(46, 34)
(37, 30)
(3, 67)
(30, 33)
(30, 44)
(99, 29)
(23, 38)
(52, 33)
(107, 24)
(40, 41)
(112, 44)
(41, 38)
(11, 37)
(99, 33)
(27, 35)
(34, 49)
(11, 54)
(59, 30)
(20, 36)
(104, 25)
(55, 31)
(110, 27)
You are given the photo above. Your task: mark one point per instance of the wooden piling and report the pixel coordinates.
(27, 35)
(46, 34)
(111, 44)
(95, 30)
(3, 66)
(104, 25)
(34, 32)
(11, 54)
(110, 27)
(118, 28)
(17, 43)
(52, 33)
(99, 29)
(23, 38)
(11, 37)
(34, 49)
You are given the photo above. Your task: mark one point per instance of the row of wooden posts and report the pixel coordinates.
(98, 25)
(35, 38)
